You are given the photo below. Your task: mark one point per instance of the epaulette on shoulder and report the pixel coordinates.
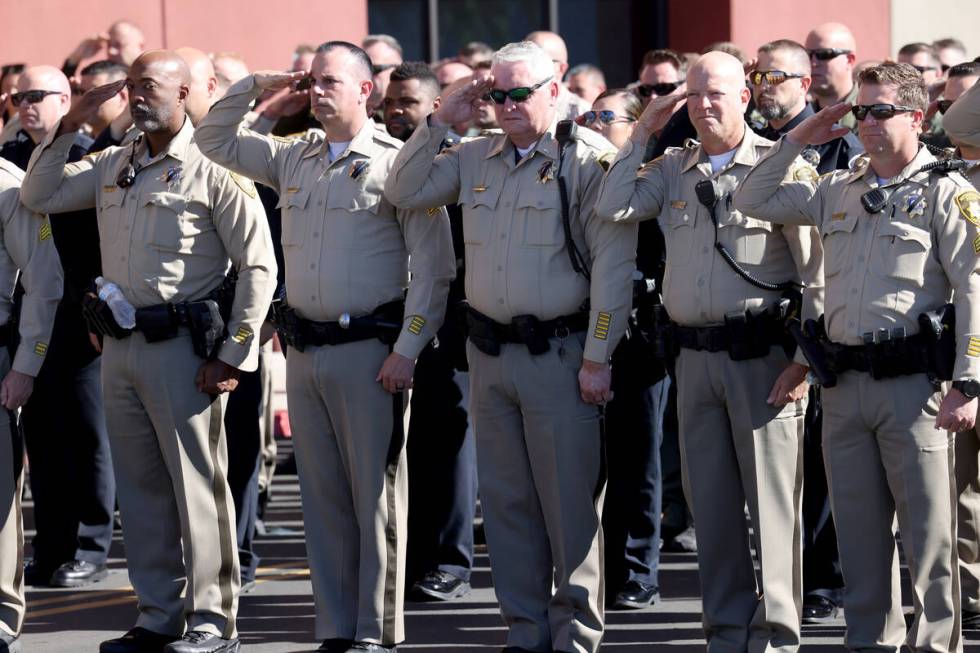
(386, 139)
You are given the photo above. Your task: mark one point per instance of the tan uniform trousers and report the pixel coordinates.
(267, 422)
(11, 520)
(968, 517)
(350, 455)
(541, 467)
(170, 459)
(883, 455)
(737, 450)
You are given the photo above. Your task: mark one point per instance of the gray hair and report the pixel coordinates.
(532, 54)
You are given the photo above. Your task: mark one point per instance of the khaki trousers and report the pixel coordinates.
(884, 456)
(737, 450)
(541, 470)
(267, 427)
(349, 441)
(11, 520)
(968, 517)
(170, 459)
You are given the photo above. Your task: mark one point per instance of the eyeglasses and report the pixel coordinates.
(772, 77)
(519, 94)
(944, 105)
(923, 69)
(32, 97)
(826, 54)
(381, 67)
(663, 88)
(878, 111)
(605, 116)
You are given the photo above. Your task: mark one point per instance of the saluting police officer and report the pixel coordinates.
(171, 224)
(740, 399)
(27, 246)
(899, 239)
(353, 333)
(549, 293)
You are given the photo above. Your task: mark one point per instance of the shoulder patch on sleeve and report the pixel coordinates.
(805, 172)
(968, 203)
(245, 184)
(45, 231)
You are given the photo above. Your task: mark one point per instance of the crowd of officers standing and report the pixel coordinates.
(564, 281)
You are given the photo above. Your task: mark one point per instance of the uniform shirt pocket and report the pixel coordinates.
(479, 204)
(901, 252)
(295, 217)
(165, 223)
(749, 237)
(348, 205)
(111, 215)
(540, 209)
(678, 229)
(837, 236)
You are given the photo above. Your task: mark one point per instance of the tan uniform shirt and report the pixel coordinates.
(883, 269)
(699, 286)
(347, 249)
(570, 106)
(516, 259)
(169, 236)
(29, 248)
(962, 120)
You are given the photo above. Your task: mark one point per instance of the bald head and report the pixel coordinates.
(37, 118)
(554, 45)
(450, 71)
(203, 86)
(833, 73)
(228, 69)
(126, 42)
(831, 35)
(159, 82)
(716, 100)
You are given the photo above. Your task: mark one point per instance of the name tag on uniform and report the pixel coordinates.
(108, 189)
(292, 189)
(839, 216)
(678, 204)
(479, 189)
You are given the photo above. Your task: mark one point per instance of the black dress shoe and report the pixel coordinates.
(137, 640)
(198, 641)
(9, 643)
(37, 574)
(359, 647)
(78, 573)
(334, 646)
(636, 595)
(821, 607)
(442, 585)
(971, 620)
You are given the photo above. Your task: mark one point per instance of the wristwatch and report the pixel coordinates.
(969, 387)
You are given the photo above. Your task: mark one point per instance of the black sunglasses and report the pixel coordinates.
(663, 88)
(772, 77)
(826, 54)
(381, 67)
(879, 111)
(32, 97)
(605, 116)
(519, 94)
(944, 105)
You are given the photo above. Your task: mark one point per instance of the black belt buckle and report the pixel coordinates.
(157, 323)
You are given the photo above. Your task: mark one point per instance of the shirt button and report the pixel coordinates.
(316, 234)
(700, 282)
(312, 266)
(319, 202)
(850, 324)
(503, 236)
(312, 298)
(861, 258)
(854, 291)
(704, 250)
(500, 268)
(500, 301)
(507, 205)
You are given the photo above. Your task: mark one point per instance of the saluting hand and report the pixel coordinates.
(819, 128)
(461, 105)
(272, 80)
(85, 109)
(956, 412)
(657, 114)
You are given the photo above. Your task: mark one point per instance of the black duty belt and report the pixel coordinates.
(487, 334)
(742, 340)
(882, 360)
(355, 329)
